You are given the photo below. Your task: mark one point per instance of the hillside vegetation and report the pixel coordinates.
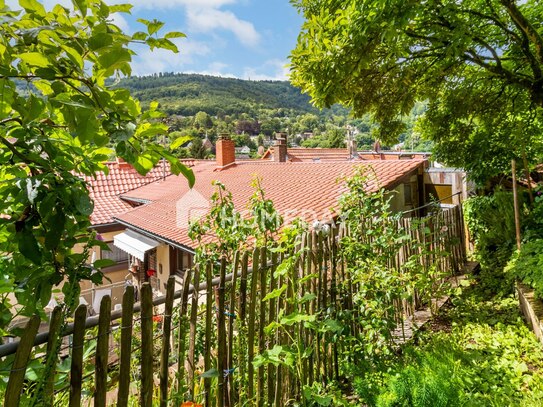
(187, 94)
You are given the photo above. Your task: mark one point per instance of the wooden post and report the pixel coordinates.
(262, 323)
(18, 368)
(182, 332)
(102, 352)
(76, 370)
(208, 339)
(126, 347)
(222, 355)
(231, 394)
(52, 352)
(242, 339)
(167, 331)
(146, 399)
(251, 325)
(271, 318)
(192, 335)
(515, 202)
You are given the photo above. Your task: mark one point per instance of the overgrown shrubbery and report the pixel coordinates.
(527, 265)
(491, 223)
(489, 357)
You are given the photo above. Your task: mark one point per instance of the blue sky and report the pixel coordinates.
(233, 38)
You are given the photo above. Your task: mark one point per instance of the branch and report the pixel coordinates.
(17, 152)
(510, 77)
(524, 25)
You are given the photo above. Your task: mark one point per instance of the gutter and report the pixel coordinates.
(156, 237)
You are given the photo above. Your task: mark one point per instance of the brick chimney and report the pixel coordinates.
(280, 150)
(225, 151)
(351, 146)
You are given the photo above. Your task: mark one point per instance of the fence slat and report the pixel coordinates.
(18, 369)
(231, 395)
(262, 322)
(182, 332)
(271, 318)
(52, 352)
(126, 347)
(251, 325)
(102, 352)
(242, 327)
(221, 338)
(146, 399)
(192, 336)
(76, 370)
(166, 336)
(208, 339)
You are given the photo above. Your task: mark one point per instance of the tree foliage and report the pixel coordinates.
(478, 62)
(59, 119)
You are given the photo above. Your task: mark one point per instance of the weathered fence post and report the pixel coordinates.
(251, 325)
(146, 397)
(76, 371)
(192, 334)
(102, 352)
(126, 347)
(221, 338)
(52, 351)
(167, 331)
(262, 323)
(207, 343)
(18, 369)
(231, 395)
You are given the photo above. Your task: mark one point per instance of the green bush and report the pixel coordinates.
(486, 357)
(527, 265)
(491, 222)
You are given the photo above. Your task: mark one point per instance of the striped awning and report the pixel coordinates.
(134, 243)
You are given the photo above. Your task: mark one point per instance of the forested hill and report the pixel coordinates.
(187, 94)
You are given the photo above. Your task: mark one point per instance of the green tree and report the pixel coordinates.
(60, 119)
(478, 62)
(202, 121)
(336, 138)
(197, 149)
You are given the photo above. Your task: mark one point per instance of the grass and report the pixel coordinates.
(477, 352)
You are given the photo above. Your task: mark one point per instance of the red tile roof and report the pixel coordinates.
(106, 188)
(300, 154)
(392, 155)
(308, 189)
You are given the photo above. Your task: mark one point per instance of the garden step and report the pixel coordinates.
(405, 331)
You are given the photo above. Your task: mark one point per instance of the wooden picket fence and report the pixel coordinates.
(199, 342)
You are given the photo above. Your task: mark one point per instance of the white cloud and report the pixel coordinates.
(216, 69)
(210, 19)
(160, 60)
(271, 70)
(205, 16)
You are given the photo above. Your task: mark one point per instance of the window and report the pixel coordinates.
(407, 195)
(184, 261)
(114, 253)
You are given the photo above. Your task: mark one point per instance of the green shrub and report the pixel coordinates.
(527, 265)
(426, 384)
(491, 222)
